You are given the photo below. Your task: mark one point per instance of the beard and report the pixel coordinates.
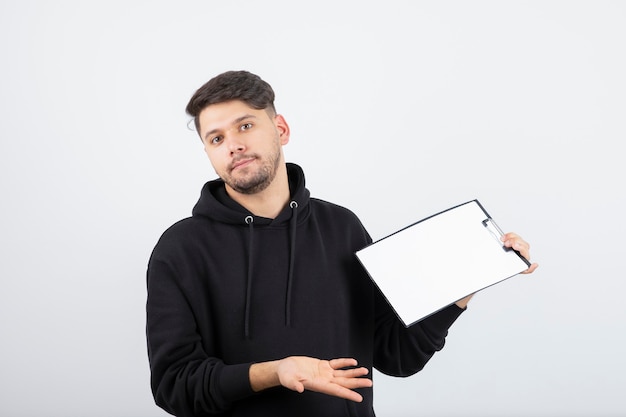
(251, 182)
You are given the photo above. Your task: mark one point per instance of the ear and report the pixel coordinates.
(283, 129)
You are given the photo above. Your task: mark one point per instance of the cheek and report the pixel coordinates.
(211, 157)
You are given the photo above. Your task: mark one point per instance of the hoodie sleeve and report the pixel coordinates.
(401, 351)
(185, 381)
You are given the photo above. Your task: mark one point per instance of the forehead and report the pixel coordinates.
(223, 115)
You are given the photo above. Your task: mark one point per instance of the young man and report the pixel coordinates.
(257, 305)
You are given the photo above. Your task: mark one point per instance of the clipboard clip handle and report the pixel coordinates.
(495, 231)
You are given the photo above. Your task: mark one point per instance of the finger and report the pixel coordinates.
(522, 248)
(339, 387)
(340, 391)
(347, 394)
(531, 269)
(353, 383)
(295, 385)
(513, 241)
(342, 363)
(351, 373)
(510, 235)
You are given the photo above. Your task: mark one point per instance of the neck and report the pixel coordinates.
(269, 202)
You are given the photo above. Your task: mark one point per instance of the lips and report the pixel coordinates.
(240, 163)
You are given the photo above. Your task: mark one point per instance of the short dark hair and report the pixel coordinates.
(232, 85)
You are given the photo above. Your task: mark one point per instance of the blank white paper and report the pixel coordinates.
(437, 261)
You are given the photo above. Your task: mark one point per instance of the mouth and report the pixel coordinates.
(241, 163)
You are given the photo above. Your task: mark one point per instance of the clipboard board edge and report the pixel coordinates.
(427, 218)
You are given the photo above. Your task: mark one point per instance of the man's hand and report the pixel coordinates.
(512, 240)
(299, 373)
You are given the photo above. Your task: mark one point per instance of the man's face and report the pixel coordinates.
(243, 144)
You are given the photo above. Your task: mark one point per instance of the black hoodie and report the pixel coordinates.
(227, 289)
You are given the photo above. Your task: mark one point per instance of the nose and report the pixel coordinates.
(235, 144)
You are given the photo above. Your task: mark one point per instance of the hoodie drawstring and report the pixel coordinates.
(249, 220)
(292, 256)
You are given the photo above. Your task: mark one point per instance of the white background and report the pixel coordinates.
(398, 109)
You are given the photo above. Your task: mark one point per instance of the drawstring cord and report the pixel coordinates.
(249, 221)
(292, 256)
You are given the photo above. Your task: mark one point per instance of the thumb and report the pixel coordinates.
(297, 386)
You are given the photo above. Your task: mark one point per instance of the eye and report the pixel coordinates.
(215, 140)
(246, 126)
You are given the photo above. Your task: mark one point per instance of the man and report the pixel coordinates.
(257, 305)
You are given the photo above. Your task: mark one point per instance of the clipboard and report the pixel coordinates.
(439, 260)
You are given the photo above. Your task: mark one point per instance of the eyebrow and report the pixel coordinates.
(234, 122)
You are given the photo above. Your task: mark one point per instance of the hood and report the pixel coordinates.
(215, 204)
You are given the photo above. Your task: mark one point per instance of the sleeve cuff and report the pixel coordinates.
(235, 382)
